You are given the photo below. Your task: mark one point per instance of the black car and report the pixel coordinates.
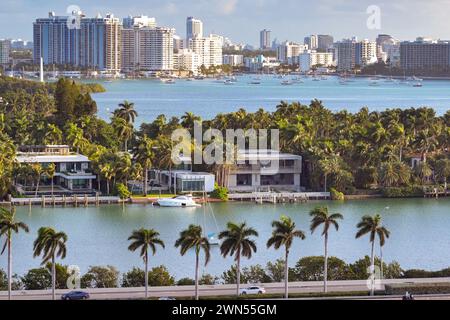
(75, 295)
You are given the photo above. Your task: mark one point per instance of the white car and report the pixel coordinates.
(253, 290)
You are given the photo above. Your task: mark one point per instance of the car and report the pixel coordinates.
(253, 290)
(75, 295)
(167, 299)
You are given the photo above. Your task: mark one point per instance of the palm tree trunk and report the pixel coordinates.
(53, 278)
(372, 271)
(286, 275)
(238, 274)
(325, 184)
(196, 273)
(325, 267)
(107, 186)
(37, 186)
(126, 145)
(52, 186)
(9, 267)
(381, 262)
(145, 180)
(146, 275)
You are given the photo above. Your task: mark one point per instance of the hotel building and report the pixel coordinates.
(309, 59)
(264, 40)
(5, 49)
(425, 54)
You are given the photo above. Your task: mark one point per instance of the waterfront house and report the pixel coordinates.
(72, 170)
(263, 170)
(182, 179)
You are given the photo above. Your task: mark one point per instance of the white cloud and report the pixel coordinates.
(227, 6)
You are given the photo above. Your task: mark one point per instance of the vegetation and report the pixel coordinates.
(100, 277)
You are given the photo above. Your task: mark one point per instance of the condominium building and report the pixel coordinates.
(311, 41)
(425, 54)
(138, 21)
(208, 48)
(5, 48)
(289, 50)
(324, 42)
(308, 60)
(100, 43)
(194, 28)
(264, 39)
(55, 42)
(366, 52)
(234, 60)
(186, 59)
(178, 43)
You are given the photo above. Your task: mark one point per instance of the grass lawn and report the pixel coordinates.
(154, 196)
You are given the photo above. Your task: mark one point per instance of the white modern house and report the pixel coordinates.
(72, 170)
(182, 179)
(263, 170)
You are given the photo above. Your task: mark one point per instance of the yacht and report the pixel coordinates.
(179, 201)
(287, 83)
(168, 81)
(418, 84)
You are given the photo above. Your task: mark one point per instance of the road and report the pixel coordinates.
(217, 290)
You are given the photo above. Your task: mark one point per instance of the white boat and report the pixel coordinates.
(287, 83)
(168, 81)
(228, 82)
(179, 201)
(418, 84)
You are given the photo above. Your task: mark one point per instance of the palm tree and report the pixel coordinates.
(37, 172)
(321, 216)
(283, 234)
(8, 225)
(124, 130)
(192, 238)
(126, 111)
(237, 243)
(50, 173)
(373, 227)
(51, 245)
(145, 239)
(144, 154)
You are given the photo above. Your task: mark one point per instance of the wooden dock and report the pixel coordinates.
(75, 201)
(283, 197)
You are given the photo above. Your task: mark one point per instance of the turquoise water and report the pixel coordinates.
(207, 97)
(98, 235)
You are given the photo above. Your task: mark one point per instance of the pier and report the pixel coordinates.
(282, 197)
(75, 201)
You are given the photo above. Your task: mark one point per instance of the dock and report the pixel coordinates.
(282, 197)
(75, 201)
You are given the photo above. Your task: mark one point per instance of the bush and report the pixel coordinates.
(37, 279)
(311, 269)
(160, 277)
(405, 192)
(122, 191)
(418, 288)
(336, 195)
(220, 193)
(186, 282)
(134, 278)
(100, 277)
(365, 177)
(61, 275)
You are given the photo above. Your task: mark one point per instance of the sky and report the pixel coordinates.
(241, 20)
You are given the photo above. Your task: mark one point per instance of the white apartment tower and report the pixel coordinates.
(209, 49)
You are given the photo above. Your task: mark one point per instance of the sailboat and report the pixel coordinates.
(212, 236)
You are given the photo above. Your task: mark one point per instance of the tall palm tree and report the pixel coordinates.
(283, 234)
(145, 239)
(37, 172)
(321, 216)
(373, 227)
(192, 238)
(8, 226)
(124, 130)
(144, 154)
(127, 112)
(51, 245)
(50, 173)
(237, 243)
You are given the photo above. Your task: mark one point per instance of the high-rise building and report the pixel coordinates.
(311, 42)
(100, 43)
(186, 60)
(178, 43)
(209, 49)
(388, 49)
(346, 54)
(5, 48)
(425, 55)
(366, 52)
(264, 39)
(324, 42)
(138, 21)
(288, 52)
(194, 28)
(309, 59)
(234, 60)
(55, 42)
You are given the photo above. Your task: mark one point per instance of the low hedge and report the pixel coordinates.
(419, 288)
(404, 192)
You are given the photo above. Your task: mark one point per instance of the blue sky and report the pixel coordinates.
(241, 20)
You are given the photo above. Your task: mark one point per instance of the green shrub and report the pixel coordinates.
(404, 192)
(418, 288)
(336, 195)
(122, 191)
(220, 193)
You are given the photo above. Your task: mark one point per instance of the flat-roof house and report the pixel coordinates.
(182, 179)
(72, 170)
(262, 170)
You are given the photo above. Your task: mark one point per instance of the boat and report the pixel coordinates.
(228, 82)
(418, 84)
(179, 201)
(255, 82)
(374, 83)
(287, 83)
(168, 81)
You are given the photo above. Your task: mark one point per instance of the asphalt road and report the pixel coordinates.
(225, 290)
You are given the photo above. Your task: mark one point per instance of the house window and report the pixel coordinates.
(278, 180)
(244, 179)
(193, 185)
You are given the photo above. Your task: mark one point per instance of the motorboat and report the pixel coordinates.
(418, 84)
(179, 202)
(287, 83)
(168, 81)
(228, 82)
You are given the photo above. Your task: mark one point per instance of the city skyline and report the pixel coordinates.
(342, 19)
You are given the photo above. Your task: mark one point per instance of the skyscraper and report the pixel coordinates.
(324, 42)
(311, 42)
(425, 55)
(289, 50)
(346, 54)
(366, 52)
(264, 39)
(194, 28)
(138, 21)
(209, 50)
(5, 48)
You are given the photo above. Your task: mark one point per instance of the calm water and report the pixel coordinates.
(98, 236)
(207, 97)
